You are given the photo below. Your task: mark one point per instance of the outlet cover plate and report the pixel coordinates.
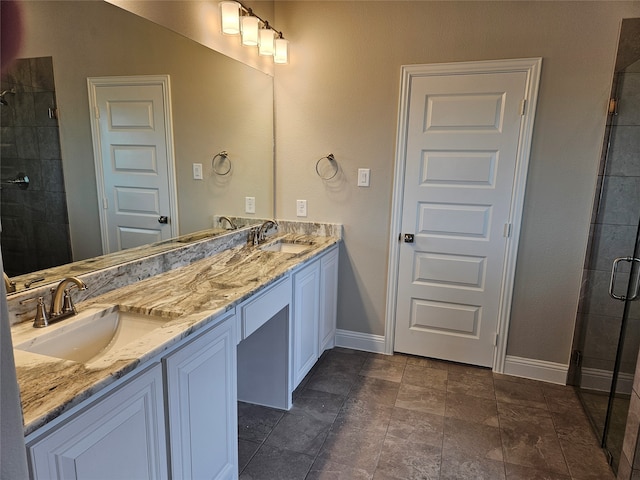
(250, 204)
(364, 175)
(301, 208)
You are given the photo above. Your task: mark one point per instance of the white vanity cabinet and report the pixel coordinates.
(201, 404)
(131, 433)
(121, 435)
(306, 316)
(328, 299)
(315, 292)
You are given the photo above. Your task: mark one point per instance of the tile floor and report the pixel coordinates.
(359, 416)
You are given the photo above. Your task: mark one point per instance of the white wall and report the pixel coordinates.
(340, 95)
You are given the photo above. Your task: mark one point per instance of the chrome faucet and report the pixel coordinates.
(262, 231)
(9, 285)
(61, 303)
(229, 221)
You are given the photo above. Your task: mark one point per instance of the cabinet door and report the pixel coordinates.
(328, 299)
(306, 312)
(119, 436)
(201, 396)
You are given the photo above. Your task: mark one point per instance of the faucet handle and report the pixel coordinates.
(67, 301)
(253, 236)
(41, 319)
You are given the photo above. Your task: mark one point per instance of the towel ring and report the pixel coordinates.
(223, 155)
(333, 162)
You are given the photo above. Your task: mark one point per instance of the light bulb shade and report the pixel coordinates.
(230, 15)
(281, 51)
(267, 37)
(250, 30)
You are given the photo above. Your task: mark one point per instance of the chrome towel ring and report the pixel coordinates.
(332, 171)
(222, 157)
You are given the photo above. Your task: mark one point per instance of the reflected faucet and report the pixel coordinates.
(61, 303)
(229, 221)
(8, 284)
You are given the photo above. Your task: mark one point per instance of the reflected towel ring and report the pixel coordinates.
(332, 162)
(223, 155)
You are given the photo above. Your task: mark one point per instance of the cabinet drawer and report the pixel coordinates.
(261, 307)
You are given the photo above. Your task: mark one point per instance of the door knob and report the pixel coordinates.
(408, 238)
(163, 219)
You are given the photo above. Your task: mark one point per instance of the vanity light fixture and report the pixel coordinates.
(267, 37)
(230, 14)
(281, 50)
(250, 25)
(238, 19)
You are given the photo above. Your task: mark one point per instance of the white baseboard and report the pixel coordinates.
(516, 366)
(536, 369)
(600, 380)
(360, 341)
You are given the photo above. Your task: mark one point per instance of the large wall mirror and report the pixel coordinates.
(217, 104)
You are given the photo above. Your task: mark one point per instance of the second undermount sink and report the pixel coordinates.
(91, 334)
(283, 246)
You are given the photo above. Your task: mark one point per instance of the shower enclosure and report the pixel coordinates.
(33, 205)
(607, 336)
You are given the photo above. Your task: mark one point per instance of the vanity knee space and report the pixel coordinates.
(285, 329)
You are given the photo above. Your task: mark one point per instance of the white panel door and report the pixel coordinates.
(462, 143)
(134, 153)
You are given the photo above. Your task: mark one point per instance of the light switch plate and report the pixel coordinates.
(301, 208)
(197, 171)
(249, 204)
(363, 177)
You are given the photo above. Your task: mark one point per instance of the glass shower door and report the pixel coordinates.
(607, 336)
(618, 405)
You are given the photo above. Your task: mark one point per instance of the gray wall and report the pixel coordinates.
(340, 95)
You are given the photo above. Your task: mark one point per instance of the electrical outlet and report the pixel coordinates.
(249, 204)
(301, 208)
(197, 171)
(363, 177)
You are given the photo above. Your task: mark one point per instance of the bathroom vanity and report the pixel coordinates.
(247, 323)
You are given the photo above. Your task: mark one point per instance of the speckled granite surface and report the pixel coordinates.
(190, 297)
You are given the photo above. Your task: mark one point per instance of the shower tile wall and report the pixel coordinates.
(613, 235)
(35, 226)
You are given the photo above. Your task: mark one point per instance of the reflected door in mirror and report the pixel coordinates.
(133, 152)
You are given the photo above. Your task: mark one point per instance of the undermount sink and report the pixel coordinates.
(286, 247)
(92, 334)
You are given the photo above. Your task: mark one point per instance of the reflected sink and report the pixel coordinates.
(92, 334)
(286, 247)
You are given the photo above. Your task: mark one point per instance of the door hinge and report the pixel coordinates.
(523, 106)
(105, 203)
(577, 358)
(507, 230)
(495, 340)
(613, 106)
(97, 111)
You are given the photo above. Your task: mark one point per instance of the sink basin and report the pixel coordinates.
(92, 334)
(286, 247)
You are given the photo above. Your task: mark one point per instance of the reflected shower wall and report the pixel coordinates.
(35, 225)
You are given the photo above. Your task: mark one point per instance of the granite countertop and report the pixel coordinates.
(188, 298)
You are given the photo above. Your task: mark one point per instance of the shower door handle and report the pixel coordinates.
(614, 272)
